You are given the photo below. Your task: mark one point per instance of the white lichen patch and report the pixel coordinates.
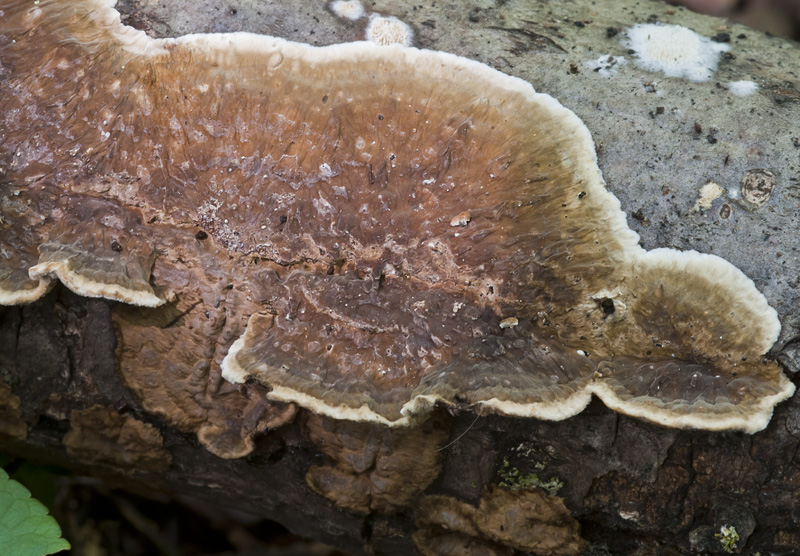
(674, 50)
(606, 65)
(709, 193)
(347, 9)
(629, 516)
(742, 88)
(388, 30)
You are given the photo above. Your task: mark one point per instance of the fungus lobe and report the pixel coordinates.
(327, 198)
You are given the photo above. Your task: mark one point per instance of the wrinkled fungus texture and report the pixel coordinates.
(375, 468)
(103, 436)
(505, 520)
(257, 200)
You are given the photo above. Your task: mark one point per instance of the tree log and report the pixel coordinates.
(597, 481)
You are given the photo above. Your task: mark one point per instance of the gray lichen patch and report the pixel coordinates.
(757, 185)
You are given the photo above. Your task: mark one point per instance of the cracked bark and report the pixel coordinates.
(634, 488)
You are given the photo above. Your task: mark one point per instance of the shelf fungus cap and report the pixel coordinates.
(424, 230)
(94, 248)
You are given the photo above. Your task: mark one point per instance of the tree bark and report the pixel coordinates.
(598, 481)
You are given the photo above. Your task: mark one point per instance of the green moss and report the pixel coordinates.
(728, 537)
(8, 377)
(526, 456)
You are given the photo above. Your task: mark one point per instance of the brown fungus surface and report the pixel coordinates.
(506, 520)
(375, 468)
(303, 200)
(11, 421)
(103, 436)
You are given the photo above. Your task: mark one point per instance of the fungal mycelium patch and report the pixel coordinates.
(239, 178)
(674, 50)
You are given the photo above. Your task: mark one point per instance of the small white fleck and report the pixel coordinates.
(742, 88)
(709, 193)
(461, 219)
(509, 322)
(606, 65)
(347, 9)
(388, 30)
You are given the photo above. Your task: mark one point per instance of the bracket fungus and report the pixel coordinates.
(375, 468)
(103, 436)
(504, 521)
(248, 179)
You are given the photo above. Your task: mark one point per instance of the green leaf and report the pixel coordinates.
(25, 527)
